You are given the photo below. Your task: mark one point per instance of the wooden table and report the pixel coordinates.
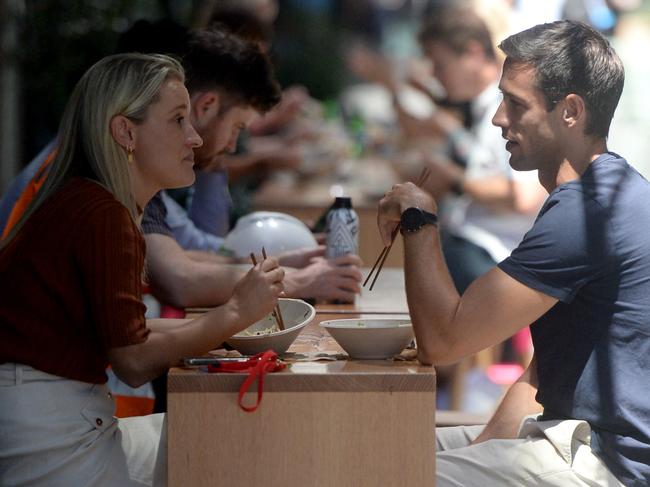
(336, 423)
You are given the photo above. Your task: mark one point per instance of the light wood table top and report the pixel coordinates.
(320, 423)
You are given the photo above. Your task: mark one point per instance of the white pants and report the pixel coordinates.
(546, 453)
(60, 432)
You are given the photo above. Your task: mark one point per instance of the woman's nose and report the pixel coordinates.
(193, 138)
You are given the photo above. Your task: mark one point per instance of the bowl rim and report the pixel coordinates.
(308, 319)
(345, 323)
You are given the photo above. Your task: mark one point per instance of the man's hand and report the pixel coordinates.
(256, 294)
(326, 279)
(300, 258)
(398, 199)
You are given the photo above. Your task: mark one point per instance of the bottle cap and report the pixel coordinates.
(342, 202)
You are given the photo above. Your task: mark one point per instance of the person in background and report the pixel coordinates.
(275, 141)
(488, 206)
(229, 80)
(203, 219)
(245, 24)
(124, 136)
(579, 414)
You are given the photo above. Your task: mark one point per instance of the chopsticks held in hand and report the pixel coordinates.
(277, 314)
(384, 253)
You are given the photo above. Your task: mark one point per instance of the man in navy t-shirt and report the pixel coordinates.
(580, 414)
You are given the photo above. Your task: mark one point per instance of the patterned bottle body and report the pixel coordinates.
(342, 229)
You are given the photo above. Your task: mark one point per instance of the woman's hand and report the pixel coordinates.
(257, 292)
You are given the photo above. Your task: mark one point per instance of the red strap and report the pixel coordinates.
(257, 367)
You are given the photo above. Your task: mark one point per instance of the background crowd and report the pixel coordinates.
(47, 44)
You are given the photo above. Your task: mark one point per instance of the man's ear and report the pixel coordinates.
(574, 110)
(122, 130)
(205, 105)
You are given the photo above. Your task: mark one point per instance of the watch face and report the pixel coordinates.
(412, 219)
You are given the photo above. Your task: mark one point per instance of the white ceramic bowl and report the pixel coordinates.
(296, 314)
(370, 339)
(276, 232)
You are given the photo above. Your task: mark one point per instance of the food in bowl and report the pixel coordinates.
(264, 334)
(272, 328)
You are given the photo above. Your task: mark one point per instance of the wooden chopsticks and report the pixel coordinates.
(384, 253)
(277, 314)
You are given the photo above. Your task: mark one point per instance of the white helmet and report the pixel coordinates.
(276, 232)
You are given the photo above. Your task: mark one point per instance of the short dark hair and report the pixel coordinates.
(216, 60)
(571, 57)
(457, 27)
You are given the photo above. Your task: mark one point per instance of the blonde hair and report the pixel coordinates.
(122, 84)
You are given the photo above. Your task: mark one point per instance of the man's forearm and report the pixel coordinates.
(431, 294)
(181, 281)
(449, 327)
(196, 284)
(517, 403)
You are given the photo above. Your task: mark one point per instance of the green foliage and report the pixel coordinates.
(59, 40)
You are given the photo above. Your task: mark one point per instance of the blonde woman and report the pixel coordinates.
(71, 271)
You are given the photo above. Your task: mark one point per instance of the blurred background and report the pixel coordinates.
(45, 46)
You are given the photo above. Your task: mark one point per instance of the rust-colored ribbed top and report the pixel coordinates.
(71, 284)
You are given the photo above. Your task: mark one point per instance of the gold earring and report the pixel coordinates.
(129, 153)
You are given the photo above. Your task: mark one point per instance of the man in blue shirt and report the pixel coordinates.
(580, 278)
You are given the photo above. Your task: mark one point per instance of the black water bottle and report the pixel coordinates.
(342, 228)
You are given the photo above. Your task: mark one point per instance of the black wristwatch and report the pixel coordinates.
(413, 219)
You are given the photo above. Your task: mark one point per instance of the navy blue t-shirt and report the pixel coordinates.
(590, 249)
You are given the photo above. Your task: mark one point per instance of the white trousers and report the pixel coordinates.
(546, 453)
(60, 432)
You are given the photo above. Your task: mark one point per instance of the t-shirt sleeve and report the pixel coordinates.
(564, 249)
(210, 204)
(111, 261)
(154, 217)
